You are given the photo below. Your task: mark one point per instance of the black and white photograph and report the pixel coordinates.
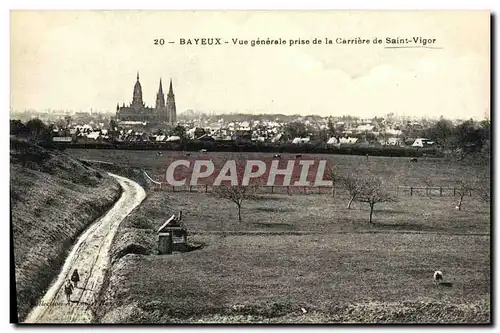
(250, 167)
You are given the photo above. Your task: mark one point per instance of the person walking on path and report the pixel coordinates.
(68, 290)
(75, 277)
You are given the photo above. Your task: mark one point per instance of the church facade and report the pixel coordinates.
(163, 112)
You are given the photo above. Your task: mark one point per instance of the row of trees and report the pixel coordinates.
(34, 130)
(368, 189)
(463, 140)
(363, 188)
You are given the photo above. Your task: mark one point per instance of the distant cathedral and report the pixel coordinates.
(138, 111)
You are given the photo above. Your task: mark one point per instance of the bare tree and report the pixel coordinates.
(429, 183)
(484, 192)
(350, 182)
(483, 188)
(333, 175)
(464, 187)
(372, 190)
(237, 194)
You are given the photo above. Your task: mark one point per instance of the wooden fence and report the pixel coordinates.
(422, 191)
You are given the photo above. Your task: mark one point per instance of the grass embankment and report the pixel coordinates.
(302, 251)
(53, 199)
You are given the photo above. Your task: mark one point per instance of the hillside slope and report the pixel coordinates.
(53, 198)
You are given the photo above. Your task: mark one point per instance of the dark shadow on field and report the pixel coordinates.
(405, 226)
(193, 247)
(390, 211)
(470, 211)
(274, 225)
(274, 210)
(270, 197)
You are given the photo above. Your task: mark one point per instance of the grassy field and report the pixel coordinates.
(398, 171)
(303, 258)
(53, 199)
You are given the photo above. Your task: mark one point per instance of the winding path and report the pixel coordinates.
(90, 255)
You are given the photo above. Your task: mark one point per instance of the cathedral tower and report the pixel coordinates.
(160, 104)
(137, 98)
(171, 111)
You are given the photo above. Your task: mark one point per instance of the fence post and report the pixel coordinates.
(427, 190)
(190, 188)
(206, 188)
(411, 190)
(397, 191)
(288, 190)
(440, 191)
(454, 191)
(470, 193)
(173, 188)
(272, 189)
(319, 189)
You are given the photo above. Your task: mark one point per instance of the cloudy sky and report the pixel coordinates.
(83, 60)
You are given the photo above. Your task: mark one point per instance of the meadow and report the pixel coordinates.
(397, 171)
(304, 257)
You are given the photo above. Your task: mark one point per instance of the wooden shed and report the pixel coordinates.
(172, 236)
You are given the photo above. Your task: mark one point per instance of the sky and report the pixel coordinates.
(84, 60)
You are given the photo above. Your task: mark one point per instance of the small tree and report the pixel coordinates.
(333, 175)
(371, 190)
(483, 190)
(429, 183)
(294, 129)
(464, 187)
(179, 131)
(351, 183)
(236, 194)
(38, 131)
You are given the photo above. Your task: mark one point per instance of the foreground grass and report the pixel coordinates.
(302, 252)
(53, 199)
(272, 276)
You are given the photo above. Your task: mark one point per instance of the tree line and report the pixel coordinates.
(35, 131)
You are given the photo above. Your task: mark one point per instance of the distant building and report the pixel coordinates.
(422, 142)
(137, 111)
(62, 139)
(395, 142)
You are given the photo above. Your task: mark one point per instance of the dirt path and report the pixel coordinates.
(90, 255)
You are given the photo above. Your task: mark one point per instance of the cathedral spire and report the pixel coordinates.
(171, 109)
(137, 97)
(160, 101)
(170, 90)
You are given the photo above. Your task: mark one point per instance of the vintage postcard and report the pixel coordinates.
(250, 167)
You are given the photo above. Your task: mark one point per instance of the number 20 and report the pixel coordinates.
(160, 41)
